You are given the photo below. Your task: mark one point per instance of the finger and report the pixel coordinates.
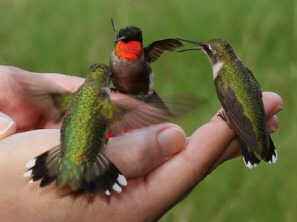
(138, 152)
(167, 184)
(233, 150)
(204, 148)
(273, 103)
(272, 124)
(71, 83)
(7, 126)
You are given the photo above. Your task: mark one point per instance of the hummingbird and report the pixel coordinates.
(241, 97)
(130, 62)
(89, 113)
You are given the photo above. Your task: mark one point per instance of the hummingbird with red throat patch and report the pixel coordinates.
(130, 63)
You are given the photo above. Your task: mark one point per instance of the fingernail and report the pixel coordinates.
(171, 140)
(6, 126)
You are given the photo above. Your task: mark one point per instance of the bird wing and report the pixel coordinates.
(240, 123)
(131, 113)
(48, 97)
(154, 50)
(253, 81)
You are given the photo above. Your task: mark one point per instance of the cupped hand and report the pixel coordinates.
(161, 165)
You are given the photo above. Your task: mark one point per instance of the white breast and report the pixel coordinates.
(216, 69)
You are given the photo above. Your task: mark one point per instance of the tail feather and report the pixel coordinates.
(249, 157)
(102, 174)
(271, 156)
(44, 167)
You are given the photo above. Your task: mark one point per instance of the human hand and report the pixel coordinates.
(160, 169)
(23, 114)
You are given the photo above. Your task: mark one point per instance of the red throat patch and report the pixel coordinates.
(128, 50)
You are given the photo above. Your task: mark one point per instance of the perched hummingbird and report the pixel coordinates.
(130, 62)
(78, 161)
(241, 97)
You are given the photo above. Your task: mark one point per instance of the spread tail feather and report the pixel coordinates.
(105, 175)
(271, 156)
(44, 167)
(252, 159)
(102, 174)
(249, 157)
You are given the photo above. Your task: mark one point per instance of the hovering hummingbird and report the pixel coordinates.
(241, 97)
(78, 161)
(130, 62)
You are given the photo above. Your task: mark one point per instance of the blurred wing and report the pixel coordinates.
(155, 100)
(133, 114)
(175, 105)
(62, 102)
(156, 48)
(48, 97)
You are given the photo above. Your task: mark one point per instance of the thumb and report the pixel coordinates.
(7, 126)
(138, 152)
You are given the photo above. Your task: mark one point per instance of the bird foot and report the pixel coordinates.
(223, 116)
(114, 90)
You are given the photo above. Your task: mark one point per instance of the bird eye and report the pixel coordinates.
(208, 49)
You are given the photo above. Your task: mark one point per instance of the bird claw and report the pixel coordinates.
(114, 90)
(223, 116)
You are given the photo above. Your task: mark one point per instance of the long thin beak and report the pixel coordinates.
(114, 28)
(190, 49)
(190, 41)
(119, 39)
(200, 45)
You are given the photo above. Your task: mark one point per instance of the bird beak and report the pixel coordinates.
(200, 45)
(119, 39)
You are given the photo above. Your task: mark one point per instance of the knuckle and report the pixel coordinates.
(142, 162)
(147, 156)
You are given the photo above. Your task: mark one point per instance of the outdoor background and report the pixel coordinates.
(68, 36)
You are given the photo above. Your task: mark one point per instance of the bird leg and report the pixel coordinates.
(224, 117)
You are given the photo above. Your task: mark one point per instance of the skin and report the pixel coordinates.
(151, 160)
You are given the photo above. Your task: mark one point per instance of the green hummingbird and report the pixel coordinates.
(241, 97)
(78, 161)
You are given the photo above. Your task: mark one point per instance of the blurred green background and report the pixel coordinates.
(68, 36)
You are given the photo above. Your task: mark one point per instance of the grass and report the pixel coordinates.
(68, 36)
